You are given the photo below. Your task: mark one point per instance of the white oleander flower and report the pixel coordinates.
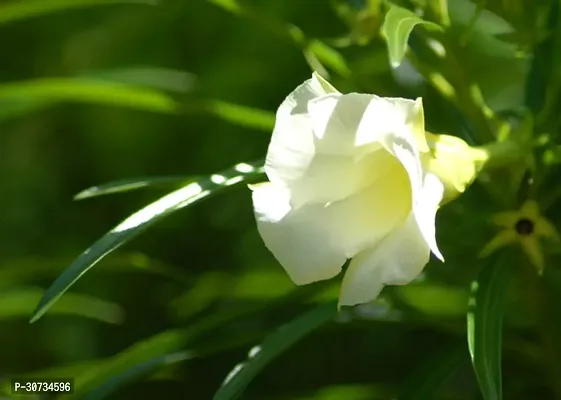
(349, 180)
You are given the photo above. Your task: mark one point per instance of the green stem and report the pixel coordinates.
(497, 154)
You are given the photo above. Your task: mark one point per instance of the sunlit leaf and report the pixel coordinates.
(18, 303)
(126, 185)
(432, 299)
(350, 392)
(88, 90)
(329, 56)
(398, 25)
(228, 5)
(485, 322)
(144, 218)
(32, 95)
(152, 77)
(273, 346)
(241, 115)
(22, 9)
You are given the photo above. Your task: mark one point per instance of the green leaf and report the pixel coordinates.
(274, 345)
(19, 98)
(240, 115)
(21, 9)
(141, 220)
(433, 299)
(88, 90)
(18, 303)
(168, 342)
(484, 324)
(317, 52)
(432, 374)
(118, 380)
(26, 270)
(126, 185)
(153, 77)
(398, 25)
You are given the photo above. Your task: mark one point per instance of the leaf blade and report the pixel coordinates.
(18, 10)
(145, 368)
(141, 220)
(484, 325)
(396, 28)
(273, 345)
(19, 98)
(127, 185)
(17, 303)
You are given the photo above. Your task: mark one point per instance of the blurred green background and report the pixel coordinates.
(201, 282)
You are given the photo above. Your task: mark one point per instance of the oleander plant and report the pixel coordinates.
(281, 199)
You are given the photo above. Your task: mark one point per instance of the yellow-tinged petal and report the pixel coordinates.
(544, 228)
(312, 242)
(503, 238)
(532, 248)
(451, 159)
(506, 219)
(319, 81)
(530, 210)
(426, 189)
(335, 177)
(397, 260)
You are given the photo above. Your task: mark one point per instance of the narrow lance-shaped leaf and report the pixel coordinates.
(273, 346)
(22, 9)
(116, 381)
(127, 185)
(484, 323)
(17, 303)
(27, 96)
(139, 221)
(398, 25)
(426, 381)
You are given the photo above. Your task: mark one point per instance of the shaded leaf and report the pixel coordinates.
(142, 219)
(19, 303)
(398, 25)
(484, 323)
(432, 374)
(126, 185)
(118, 380)
(28, 270)
(168, 342)
(273, 346)
(22, 9)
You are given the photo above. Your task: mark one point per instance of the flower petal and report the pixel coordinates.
(344, 123)
(292, 144)
(531, 246)
(427, 189)
(313, 242)
(335, 177)
(503, 238)
(295, 158)
(396, 260)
